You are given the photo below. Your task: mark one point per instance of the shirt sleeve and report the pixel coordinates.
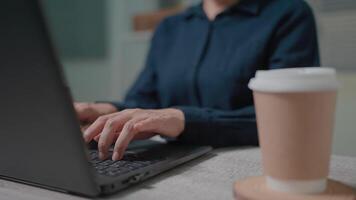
(218, 127)
(295, 43)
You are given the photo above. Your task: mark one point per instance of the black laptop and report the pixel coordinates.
(40, 139)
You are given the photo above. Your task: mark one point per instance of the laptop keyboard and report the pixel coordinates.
(130, 162)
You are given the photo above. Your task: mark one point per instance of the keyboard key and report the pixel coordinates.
(130, 162)
(99, 167)
(96, 161)
(118, 164)
(112, 169)
(132, 166)
(107, 162)
(93, 156)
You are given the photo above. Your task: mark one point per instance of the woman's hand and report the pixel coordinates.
(89, 112)
(122, 127)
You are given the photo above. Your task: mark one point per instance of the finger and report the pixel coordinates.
(127, 134)
(80, 109)
(109, 132)
(78, 106)
(84, 127)
(122, 141)
(96, 138)
(96, 128)
(107, 135)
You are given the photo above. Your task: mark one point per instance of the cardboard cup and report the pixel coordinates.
(295, 117)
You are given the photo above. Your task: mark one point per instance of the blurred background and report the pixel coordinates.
(103, 44)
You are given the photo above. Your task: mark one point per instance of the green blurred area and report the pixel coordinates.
(78, 27)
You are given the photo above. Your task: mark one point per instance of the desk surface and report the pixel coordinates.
(209, 177)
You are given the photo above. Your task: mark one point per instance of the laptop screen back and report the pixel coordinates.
(40, 139)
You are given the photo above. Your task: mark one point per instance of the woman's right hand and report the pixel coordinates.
(89, 112)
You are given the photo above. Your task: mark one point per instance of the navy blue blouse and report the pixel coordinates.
(203, 67)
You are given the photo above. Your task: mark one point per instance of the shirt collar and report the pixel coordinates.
(193, 11)
(247, 6)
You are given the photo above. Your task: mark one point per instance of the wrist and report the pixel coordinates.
(179, 117)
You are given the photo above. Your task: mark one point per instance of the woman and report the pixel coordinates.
(194, 85)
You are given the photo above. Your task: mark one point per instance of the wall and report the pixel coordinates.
(345, 131)
(100, 65)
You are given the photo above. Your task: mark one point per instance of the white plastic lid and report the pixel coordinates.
(295, 80)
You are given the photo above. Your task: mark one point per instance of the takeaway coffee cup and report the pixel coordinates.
(295, 117)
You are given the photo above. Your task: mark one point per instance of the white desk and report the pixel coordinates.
(210, 177)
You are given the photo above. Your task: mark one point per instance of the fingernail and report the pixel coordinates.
(115, 156)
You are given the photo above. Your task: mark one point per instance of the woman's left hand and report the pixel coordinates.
(122, 127)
